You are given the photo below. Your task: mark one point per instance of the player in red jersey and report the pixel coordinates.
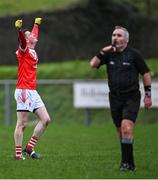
(27, 98)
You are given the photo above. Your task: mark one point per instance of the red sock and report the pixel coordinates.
(31, 144)
(18, 152)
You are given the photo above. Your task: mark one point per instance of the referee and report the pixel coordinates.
(124, 64)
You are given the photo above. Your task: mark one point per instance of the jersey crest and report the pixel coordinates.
(33, 54)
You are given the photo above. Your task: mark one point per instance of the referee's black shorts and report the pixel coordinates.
(124, 107)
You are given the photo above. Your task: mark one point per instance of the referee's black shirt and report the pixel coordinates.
(123, 70)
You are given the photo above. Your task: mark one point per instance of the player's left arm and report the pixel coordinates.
(35, 29)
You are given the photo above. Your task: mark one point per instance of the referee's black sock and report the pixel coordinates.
(127, 151)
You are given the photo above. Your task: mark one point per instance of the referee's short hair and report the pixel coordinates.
(125, 30)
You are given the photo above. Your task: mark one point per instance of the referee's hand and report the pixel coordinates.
(110, 48)
(147, 102)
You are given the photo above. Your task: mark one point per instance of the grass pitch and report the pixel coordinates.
(77, 152)
(15, 7)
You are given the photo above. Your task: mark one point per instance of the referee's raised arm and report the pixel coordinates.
(96, 60)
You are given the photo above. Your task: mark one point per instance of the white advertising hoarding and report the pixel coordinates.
(95, 94)
(91, 95)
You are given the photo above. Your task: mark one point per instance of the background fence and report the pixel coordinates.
(58, 98)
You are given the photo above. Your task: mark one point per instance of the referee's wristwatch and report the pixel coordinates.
(147, 90)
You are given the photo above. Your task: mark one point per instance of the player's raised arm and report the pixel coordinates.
(36, 27)
(21, 36)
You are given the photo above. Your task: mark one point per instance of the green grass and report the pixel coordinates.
(15, 7)
(73, 69)
(153, 65)
(68, 149)
(79, 152)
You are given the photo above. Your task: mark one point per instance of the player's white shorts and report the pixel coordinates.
(27, 100)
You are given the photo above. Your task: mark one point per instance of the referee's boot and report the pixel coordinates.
(127, 167)
(31, 153)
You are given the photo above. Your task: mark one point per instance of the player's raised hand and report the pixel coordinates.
(38, 20)
(18, 23)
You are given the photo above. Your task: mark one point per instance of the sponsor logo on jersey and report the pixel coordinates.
(111, 62)
(33, 54)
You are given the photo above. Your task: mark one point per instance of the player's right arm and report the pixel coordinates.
(36, 27)
(21, 36)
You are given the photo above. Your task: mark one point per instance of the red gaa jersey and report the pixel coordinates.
(27, 65)
(27, 62)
